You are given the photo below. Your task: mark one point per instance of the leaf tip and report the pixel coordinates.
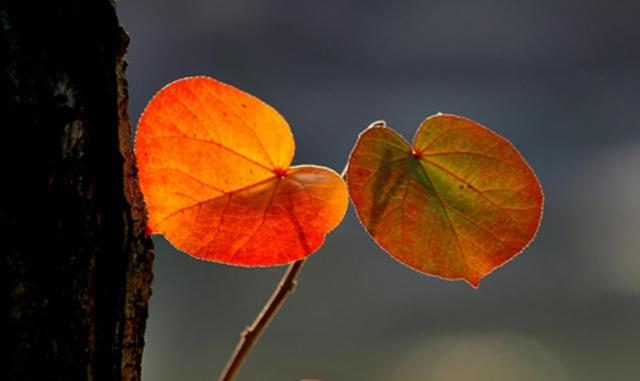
(473, 282)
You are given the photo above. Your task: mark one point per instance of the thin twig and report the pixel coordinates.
(252, 333)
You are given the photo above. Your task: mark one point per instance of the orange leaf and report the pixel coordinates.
(457, 204)
(213, 163)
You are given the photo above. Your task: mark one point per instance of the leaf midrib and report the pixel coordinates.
(423, 170)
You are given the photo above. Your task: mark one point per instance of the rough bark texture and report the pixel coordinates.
(75, 268)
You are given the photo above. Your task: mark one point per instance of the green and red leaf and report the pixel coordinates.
(457, 203)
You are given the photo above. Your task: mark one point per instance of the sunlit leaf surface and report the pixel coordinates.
(214, 168)
(457, 203)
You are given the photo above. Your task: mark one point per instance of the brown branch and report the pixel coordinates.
(252, 333)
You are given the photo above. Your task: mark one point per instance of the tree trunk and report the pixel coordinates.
(75, 274)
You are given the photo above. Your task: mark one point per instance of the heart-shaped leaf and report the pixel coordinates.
(213, 164)
(457, 203)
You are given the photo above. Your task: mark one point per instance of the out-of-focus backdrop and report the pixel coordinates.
(560, 79)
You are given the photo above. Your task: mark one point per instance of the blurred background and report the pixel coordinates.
(560, 79)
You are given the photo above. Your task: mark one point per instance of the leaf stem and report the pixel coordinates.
(252, 333)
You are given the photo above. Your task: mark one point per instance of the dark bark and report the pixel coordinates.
(75, 268)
